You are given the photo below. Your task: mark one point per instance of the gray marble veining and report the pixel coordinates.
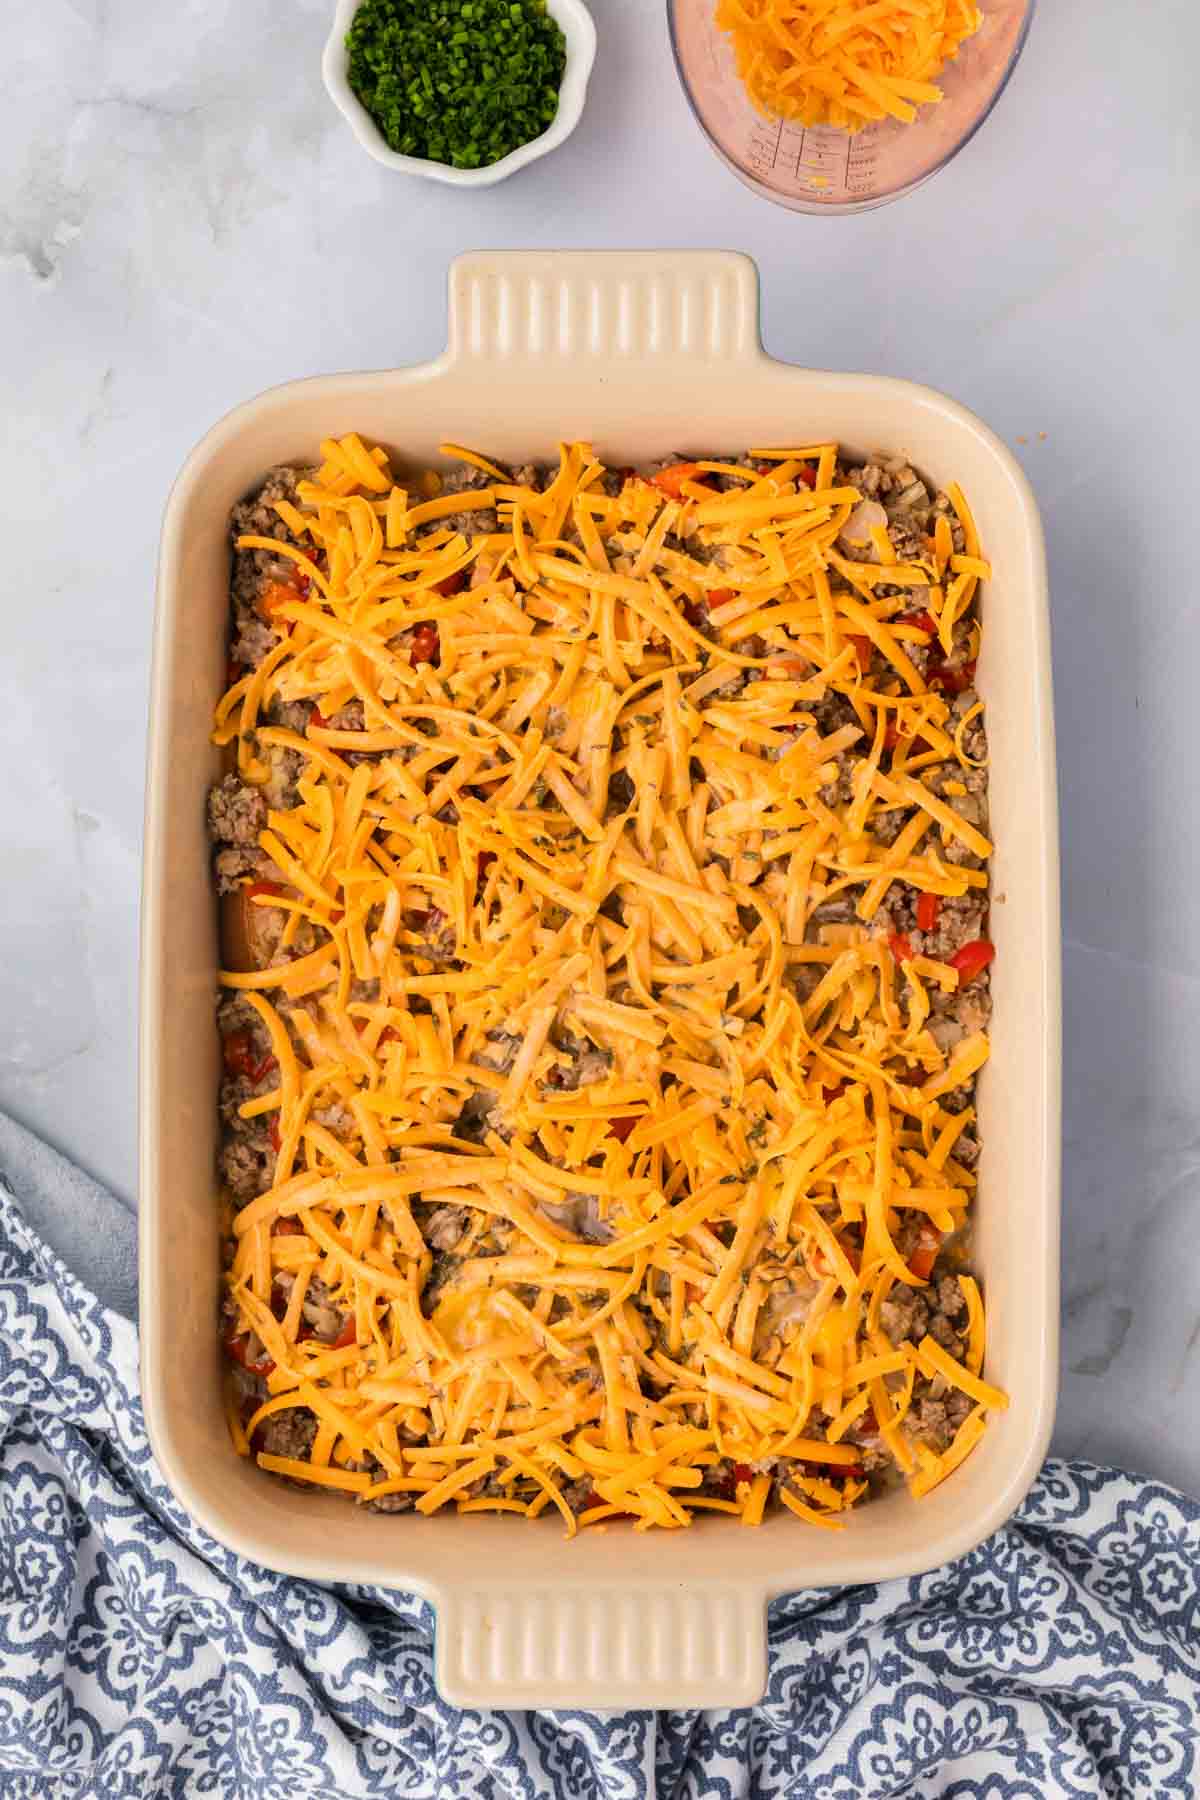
(184, 220)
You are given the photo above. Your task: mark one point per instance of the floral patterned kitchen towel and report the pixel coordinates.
(139, 1660)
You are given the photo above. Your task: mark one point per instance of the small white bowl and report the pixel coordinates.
(575, 21)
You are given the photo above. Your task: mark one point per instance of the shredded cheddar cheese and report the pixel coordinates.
(548, 959)
(845, 63)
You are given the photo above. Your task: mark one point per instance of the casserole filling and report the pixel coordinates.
(603, 874)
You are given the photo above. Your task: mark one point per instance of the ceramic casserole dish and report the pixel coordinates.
(643, 354)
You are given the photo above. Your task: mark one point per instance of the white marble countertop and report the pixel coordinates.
(184, 220)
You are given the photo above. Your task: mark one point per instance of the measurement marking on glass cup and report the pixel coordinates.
(817, 156)
(764, 154)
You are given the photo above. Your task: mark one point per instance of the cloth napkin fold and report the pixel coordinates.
(139, 1660)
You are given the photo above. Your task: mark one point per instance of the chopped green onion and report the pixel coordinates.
(464, 82)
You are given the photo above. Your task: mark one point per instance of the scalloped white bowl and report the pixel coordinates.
(575, 22)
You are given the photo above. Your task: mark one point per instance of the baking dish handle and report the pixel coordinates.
(634, 1646)
(512, 310)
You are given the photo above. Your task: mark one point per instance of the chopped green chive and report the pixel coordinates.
(463, 82)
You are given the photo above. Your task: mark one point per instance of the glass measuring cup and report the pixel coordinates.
(824, 169)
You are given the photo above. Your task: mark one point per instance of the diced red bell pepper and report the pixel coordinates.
(823, 1471)
(807, 477)
(317, 717)
(287, 1228)
(924, 621)
(273, 1134)
(900, 945)
(972, 960)
(696, 616)
(725, 1486)
(952, 681)
(236, 1346)
(237, 1050)
(261, 887)
(862, 650)
(347, 1335)
(928, 908)
(621, 1129)
(929, 1242)
(921, 1263)
(592, 1498)
(451, 584)
(670, 480)
(426, 645)
(301, 580)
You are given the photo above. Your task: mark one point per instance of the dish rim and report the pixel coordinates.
(744, 1596)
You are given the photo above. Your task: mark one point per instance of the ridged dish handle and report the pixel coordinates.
(515, 309)
(637, 1646)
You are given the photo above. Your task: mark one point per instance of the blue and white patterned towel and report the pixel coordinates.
(139, 1660)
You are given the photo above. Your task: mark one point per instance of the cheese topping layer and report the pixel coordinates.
(547, 958)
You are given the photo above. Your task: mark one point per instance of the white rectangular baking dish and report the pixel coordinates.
(643, 354)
